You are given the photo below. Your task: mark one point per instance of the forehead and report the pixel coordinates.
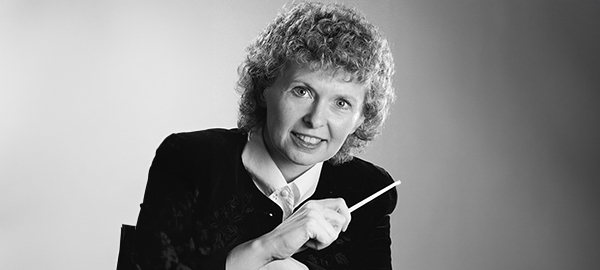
(292, 72)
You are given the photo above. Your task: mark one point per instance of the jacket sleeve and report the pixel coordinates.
(165, 231)
(367, 243)
(376, 254)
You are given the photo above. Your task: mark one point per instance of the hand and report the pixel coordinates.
(287, 264)
(315, 225)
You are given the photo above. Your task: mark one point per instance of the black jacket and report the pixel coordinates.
(200, 203)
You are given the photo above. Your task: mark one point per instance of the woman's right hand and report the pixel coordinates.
(314, 225)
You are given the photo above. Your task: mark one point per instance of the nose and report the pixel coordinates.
(317, 116)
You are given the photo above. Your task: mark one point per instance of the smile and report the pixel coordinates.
(307, 141)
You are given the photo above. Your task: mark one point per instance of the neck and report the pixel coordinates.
(290, 173)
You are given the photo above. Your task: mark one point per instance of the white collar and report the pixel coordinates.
(267, 176)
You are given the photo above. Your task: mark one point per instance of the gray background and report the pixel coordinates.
(494, 134)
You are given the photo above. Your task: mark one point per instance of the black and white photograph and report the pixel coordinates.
(289, 134)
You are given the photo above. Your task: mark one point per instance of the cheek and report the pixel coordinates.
(278, 122)
(273, 111)
(342, 129)
(352, 124)
(287, 116)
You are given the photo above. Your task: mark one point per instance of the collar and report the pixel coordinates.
(267, 176)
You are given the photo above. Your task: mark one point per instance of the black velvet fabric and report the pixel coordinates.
(200, 203)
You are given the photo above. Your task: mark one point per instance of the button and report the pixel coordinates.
(285, 193)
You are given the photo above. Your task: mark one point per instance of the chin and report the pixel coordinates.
(308, 160)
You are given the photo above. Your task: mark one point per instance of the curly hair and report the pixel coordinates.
(321, 36)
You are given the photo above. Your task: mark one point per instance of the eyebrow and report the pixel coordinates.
(343, 95)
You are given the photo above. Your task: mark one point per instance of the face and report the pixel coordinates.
(309, 116)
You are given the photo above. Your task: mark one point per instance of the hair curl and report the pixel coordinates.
(321, 36)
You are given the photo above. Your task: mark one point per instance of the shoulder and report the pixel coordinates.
(186, 159)
(208, 137)
(360, 168)
(203, 142)
(186, 153)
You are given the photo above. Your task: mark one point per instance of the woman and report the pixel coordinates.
(274, 194)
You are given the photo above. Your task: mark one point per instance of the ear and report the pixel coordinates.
(359, 122)
(260, 98)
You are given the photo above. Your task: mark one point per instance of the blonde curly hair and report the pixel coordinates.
(321, 36)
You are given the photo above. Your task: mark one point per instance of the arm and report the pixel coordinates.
(315, 225)
(366, 244)
(164, 227)
(376, 252)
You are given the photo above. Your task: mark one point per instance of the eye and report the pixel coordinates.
(301, 92)
(343, 104)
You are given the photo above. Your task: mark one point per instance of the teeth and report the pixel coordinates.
(308, 139)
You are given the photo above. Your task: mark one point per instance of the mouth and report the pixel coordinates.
(307, 140)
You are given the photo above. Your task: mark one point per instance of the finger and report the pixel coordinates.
(333, 211)
(335, 218)
(338, 205)
(321, 232)
(302, 248)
